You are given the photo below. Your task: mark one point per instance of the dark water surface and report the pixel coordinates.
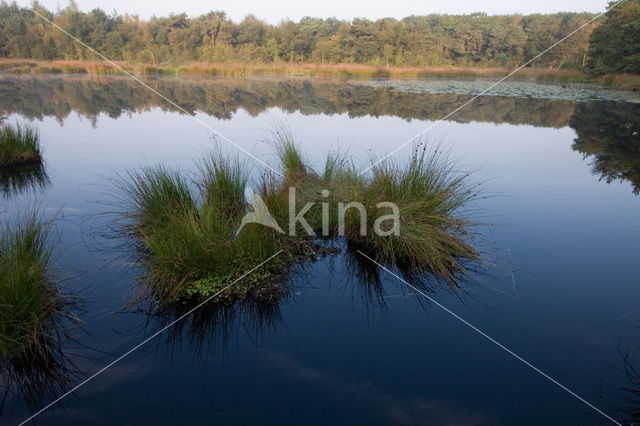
(559, 281)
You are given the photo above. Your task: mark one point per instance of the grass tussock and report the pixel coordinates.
(29, 300)
(187, 225)
(19, 144)
(187, 229)
(431, 195)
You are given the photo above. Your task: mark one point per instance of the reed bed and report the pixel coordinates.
(340, 70)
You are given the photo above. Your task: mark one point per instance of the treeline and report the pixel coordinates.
(614, 46)
(432, 40)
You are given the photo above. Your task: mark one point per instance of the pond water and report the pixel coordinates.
(558, 283)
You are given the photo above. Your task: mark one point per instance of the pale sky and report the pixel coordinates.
(273, 11)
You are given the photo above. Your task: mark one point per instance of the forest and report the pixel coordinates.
(474, 40)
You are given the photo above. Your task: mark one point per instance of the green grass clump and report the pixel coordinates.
(19, 144)
(292, 163)
(155, 195)
(187, 224)
(222, 183)
(187, 228)
(29, 300)
(431, 195)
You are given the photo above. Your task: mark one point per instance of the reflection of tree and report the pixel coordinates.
(16, 179)
(365, 277)
(609, 134)
(58, 97)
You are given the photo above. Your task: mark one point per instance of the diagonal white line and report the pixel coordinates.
(491, 339)
(435, 123)
(198, 306)
(157, 93)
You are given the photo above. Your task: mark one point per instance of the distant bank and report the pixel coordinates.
(30, 66)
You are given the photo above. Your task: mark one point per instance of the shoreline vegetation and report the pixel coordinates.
(184, 227)
(432, 45)
(340, 70)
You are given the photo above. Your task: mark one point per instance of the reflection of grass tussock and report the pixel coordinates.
(628, 402)
(16, 179)
(19, 144)
(35, 380)
(187, 226)
(200, 330)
